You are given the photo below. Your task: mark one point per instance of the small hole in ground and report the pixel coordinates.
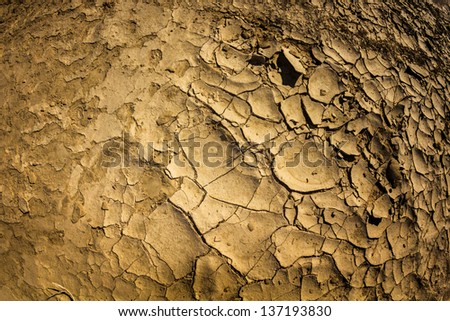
(289, 75)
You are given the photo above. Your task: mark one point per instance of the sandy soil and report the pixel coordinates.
(225, 150)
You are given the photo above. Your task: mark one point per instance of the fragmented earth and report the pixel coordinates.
(225, 150)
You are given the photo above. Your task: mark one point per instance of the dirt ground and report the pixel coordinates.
(225, 150)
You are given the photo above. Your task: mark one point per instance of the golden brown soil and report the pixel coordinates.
(225, 150)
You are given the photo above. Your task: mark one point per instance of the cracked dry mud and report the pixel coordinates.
(320, 166)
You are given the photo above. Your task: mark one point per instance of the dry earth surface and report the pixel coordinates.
(225, 150)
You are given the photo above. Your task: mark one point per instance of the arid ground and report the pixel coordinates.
(225, 150)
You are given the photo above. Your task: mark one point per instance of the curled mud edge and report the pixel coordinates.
(232, 151)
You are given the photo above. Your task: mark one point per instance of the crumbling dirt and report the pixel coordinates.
(225, 150)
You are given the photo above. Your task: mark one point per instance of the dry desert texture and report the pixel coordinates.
(225, 150)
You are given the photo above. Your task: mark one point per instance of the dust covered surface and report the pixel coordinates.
(224, 150)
